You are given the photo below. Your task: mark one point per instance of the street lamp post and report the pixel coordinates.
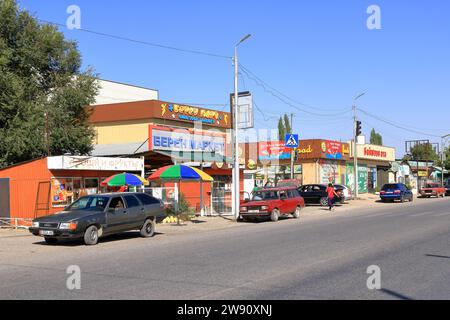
(235, 191)
(355, 152)
(442, 156)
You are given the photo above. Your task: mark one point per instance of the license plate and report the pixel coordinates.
(46, 233)
(389, 192)
(253, 211)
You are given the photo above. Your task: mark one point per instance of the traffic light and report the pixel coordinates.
(358, 128)
(295, 154)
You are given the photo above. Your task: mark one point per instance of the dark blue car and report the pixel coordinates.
(396, 191)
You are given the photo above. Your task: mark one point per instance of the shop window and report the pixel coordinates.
(91, 185)
(62, 192)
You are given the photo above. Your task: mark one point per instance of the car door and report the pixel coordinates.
(152, 206)
(292, 195)
(317, 193)
(305, 192)
(135, 211)
(117, 214)
(284, 202)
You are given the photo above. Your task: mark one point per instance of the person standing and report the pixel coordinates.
(331, 194)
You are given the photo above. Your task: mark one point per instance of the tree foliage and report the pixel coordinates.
(376, 138)
(41, 86)
(284, 127)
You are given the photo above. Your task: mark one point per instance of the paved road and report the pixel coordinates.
(309, 258)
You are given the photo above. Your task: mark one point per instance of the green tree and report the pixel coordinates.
(424, 151)
(284, 127)
(281, 130)
(287, 124)
(42, 90)
(376, 138)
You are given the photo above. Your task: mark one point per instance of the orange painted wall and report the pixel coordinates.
(24, 181)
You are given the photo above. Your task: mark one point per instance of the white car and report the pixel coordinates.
(346, 192)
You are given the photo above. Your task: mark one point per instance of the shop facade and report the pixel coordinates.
(45, 186)
(167, 133)
(318, 161)
(374, 167)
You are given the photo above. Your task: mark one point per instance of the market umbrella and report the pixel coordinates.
(180, 173)
(124, 179)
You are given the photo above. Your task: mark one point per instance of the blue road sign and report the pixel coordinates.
(291, 140)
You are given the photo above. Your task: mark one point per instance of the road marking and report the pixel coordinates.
(421, 214)
(441, 214)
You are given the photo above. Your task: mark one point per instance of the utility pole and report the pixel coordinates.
(355, 151)
(293, 150)
(443, 156)
(46, 134)
(235, 190)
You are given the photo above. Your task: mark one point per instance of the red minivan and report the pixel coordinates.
(272, 203)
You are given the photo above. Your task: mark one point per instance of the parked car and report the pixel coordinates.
(447, 188)
(272, 203)
(317, 193)
(432, 190)
(95, 216)
(396, 191)
(346, 193)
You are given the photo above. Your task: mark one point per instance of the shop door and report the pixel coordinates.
(4, 198)
(42, 205)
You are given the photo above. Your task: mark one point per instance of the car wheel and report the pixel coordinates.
(324, 201)
(275, 215)
(148, 229)
(50, 240)
(296, 213)
(91, 236)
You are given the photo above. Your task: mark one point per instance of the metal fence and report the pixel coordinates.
(16, 223)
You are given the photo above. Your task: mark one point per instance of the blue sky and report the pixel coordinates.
(319, 53)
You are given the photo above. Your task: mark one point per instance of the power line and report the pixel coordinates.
(284, 95)
(274, 93)
(152, 44)
(398, 126)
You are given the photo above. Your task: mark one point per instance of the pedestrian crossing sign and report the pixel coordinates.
(291, 140)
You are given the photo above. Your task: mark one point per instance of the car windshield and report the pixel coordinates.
(391, 186)
(265, 195)
(94, 203)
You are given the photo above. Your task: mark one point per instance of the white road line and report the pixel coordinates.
(441, 214)
(421, 214)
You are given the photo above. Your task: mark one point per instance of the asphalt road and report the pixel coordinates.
(308, 258)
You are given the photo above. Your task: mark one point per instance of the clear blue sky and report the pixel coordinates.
(319, 53)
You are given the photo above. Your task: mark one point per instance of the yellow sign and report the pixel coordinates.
(423, 174)
(305, 150)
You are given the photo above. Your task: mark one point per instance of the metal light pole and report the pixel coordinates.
(355, 152)
(235, 191)
(442, 157)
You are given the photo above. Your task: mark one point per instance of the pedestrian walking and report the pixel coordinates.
(331, 194)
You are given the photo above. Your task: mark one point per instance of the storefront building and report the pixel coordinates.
(45, 186)
(167, 133)
(374, 167)
(318, 161)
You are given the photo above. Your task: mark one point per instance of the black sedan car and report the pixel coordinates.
(317, 193)
(447, 188)
(94, 216)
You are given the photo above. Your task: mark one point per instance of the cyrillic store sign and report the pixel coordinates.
(171, 139)
(94, 163)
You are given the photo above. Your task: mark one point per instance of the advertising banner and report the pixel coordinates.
(169, 139)
(273, 150)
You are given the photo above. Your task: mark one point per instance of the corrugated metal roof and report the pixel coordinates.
(121, 149)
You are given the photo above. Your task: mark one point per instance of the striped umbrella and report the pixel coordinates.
(180, 172)
(124, 179)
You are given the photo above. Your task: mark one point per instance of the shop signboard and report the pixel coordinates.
(176, 111)
(183, 140)
(273, 150)
(374, 152)
(329, 172)
(94, 163)
(332, 149)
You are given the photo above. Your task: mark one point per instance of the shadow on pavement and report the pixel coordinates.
(395, 294)
(106, 239)
(437, 256)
